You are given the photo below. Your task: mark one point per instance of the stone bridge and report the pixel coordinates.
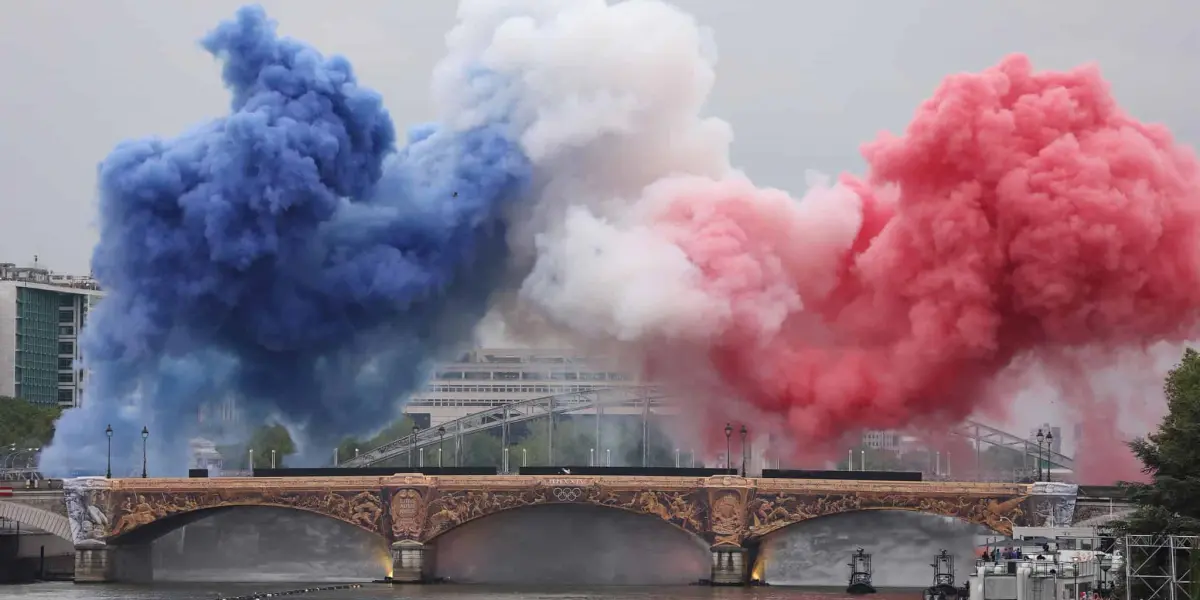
(112, 522)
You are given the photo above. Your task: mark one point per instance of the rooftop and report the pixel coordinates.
(42, 276)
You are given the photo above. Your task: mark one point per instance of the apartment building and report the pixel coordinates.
(41, 314)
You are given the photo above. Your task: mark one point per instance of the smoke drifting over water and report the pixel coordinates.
(289, 256)
(903, 545)
(571, 545)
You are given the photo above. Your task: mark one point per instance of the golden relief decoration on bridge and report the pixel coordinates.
(727, 516)
(774, 511)
(133, 510)
(448, 509)
(406, 514)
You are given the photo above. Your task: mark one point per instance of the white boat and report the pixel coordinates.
(1053, 564)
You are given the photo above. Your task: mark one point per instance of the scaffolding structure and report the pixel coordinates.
(1161, 567)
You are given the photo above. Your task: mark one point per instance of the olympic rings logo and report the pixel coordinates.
(567, 494)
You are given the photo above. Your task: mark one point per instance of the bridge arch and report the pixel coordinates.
(38, 518)
(570, 544)
(769, 513)
(142, 517)
(757, 534)
(814, 551)
(443, 520)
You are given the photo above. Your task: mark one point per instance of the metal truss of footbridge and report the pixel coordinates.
(644, 400)
(19, 474)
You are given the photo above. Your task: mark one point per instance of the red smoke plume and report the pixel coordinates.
(1022, 214)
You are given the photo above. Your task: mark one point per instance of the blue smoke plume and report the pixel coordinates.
(286, 255)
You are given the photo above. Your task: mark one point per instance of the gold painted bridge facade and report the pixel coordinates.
(725, 511)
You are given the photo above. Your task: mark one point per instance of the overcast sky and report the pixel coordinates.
(802, 82)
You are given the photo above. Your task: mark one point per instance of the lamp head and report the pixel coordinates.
(744, 431)
(1050, 436)
(441, 430)
(108, 431)
(416, 428)
(1041, 437)
(728, 430)
(145, 432)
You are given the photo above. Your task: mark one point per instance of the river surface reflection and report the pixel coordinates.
(211, 591)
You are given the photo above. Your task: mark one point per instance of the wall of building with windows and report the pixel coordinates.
(39, 341)
(492, 377)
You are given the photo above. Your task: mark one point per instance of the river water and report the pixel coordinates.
(211, 591)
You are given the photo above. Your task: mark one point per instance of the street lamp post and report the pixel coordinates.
(441, 439)
(728, 433)
(145, 436)
(1041, 438)
(1105, 583)
(272, 459)
(412, 446)
(108, 432)
(744, 449)
(1049, 443)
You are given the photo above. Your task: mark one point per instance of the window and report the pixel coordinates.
(507, 375)
(66, 330)
(66, 347)
(65, 364)
(66, 377)
(66, 300)
(66, 395)
(66, 316)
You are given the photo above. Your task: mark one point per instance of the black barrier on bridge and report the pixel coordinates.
(628, 471)
(359, 472)
(373, 471)
(842, 475)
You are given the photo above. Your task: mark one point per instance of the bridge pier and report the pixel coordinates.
(728, 565)
(411, 562)
(97, 562)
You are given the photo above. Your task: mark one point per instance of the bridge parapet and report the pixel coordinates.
(411, 511)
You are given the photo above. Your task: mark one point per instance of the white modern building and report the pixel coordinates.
(41, 314)
(886, 439)
(493, 377)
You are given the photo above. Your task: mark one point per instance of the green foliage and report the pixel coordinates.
(1170, 503)
(262, 441)
(574, 441)
(398, 429)
(27, 425)
(883, 460)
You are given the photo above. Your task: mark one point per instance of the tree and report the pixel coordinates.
(398, 429)
(26, 425)
(1171, 456)
(262, 442)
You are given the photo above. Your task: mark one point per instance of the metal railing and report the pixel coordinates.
(22, 474)
(650, 399)
(17, 464)
(986, 434)
(647, 398)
